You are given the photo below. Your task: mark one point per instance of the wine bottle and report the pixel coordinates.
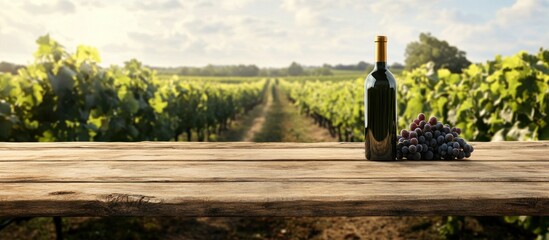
(380, 117)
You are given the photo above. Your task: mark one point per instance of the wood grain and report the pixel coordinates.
(359, 198)
(266, 179)
(258, 171)
(239, 151)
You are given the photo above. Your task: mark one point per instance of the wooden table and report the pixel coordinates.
(266, 179)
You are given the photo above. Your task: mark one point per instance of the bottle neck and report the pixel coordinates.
(381, 52)
(380, 65)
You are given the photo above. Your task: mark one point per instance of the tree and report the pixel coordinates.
(362, 66)
(295, 69)
(432, 49)
(397, 66)
(322, 71)
(7, 67)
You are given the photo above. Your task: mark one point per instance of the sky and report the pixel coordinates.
(269, 33)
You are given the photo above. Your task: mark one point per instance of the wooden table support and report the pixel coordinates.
(266, 179)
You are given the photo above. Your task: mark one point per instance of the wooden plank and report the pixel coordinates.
(157, 151)
(284, 171)
(237, 145)
(176, 145)
(360, 198)
(269, 179)
(182, 154)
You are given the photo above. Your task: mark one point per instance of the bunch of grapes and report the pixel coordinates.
(431, 140)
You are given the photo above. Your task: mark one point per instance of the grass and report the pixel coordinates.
(283, 122)
(238, 129)
(210, 78)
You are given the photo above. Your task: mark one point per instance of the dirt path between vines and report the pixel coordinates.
(284, 123)
(259, 121)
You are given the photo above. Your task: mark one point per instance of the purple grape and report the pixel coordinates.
(422, 124)
(412, 149)
(443, 147)
(449, 137)
(413, 134)
(428, 136)
(446, 130)
(419, 148)
(427, 127)
(440, 139)
(414, 141)
(439, 126)
(413, 126)
(433, 142)
(461, 141)
(431, 139)
(404, 133)
(433, 121)
(425, 147)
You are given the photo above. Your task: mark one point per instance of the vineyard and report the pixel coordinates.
(503, 99)
(69, 97)
(65, 96)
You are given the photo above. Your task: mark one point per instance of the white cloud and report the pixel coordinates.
(166, 5)
(522, 26)
(523, 10)
(267, 32)
(235, 4)
(309, 13)
(50, 7)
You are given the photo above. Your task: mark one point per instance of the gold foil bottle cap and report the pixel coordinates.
(381, 48)
(381, 39)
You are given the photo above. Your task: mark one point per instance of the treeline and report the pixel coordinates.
(7, 67)
(241, 70)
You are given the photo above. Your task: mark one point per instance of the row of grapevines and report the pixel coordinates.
(336, 105)
(503, 99)
(69, 97)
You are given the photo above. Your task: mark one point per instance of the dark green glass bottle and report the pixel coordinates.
(380, 108)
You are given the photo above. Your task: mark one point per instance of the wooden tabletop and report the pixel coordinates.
(266, 179)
